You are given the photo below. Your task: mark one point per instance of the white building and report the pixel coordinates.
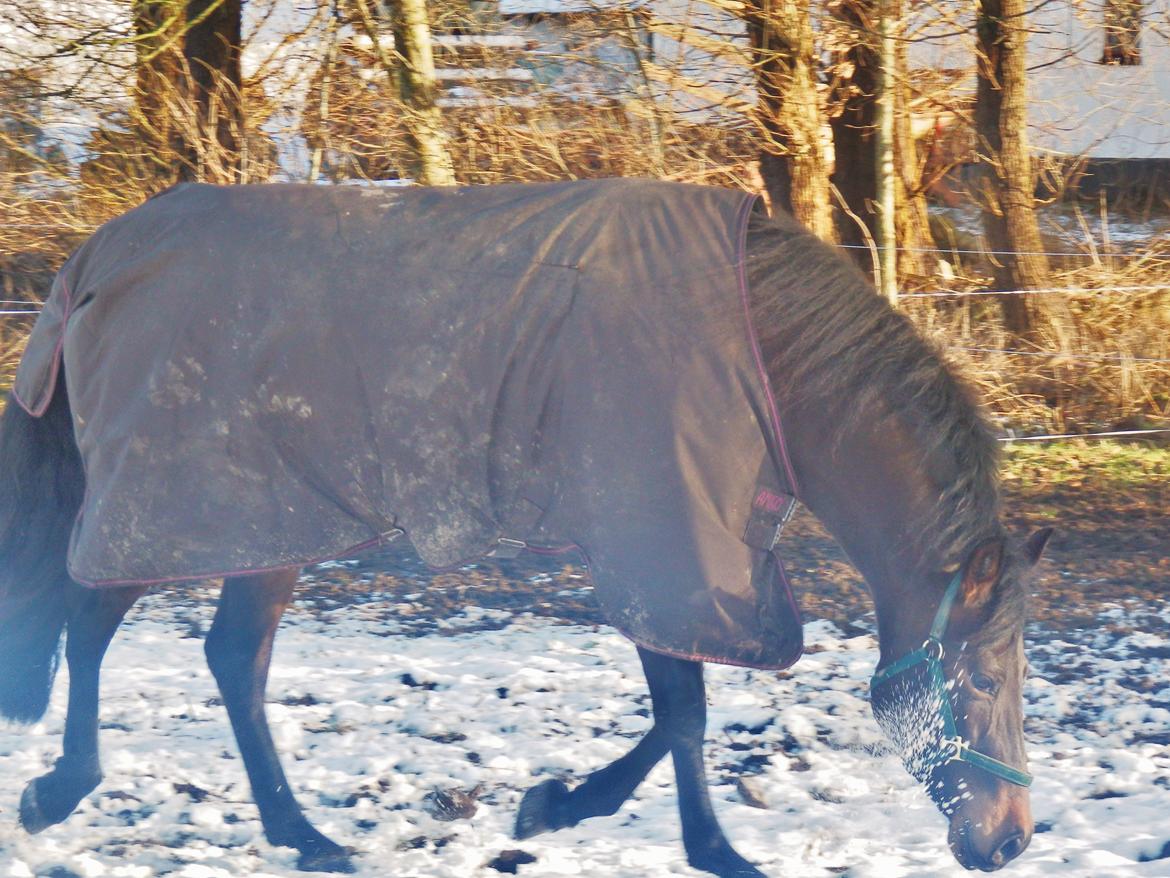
(1083, 101)
(692, 56)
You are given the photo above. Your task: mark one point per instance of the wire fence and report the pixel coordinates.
(1062, 355)
(1101, 291)
(960, 251)
(1087, 253)
(1067, 356)
(933, 294)
(1105, 435)
(17, 308)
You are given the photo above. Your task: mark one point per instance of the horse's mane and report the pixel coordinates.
(826, 334)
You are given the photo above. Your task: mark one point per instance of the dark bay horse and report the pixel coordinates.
(889, 450)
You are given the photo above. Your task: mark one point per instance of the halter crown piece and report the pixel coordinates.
(922, 751)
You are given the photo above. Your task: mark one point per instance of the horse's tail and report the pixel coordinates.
(41, 488)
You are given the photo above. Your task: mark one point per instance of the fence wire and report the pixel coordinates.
(1054, 436)
(1099, 291)
(935, 294)
(971, 252)
(1087, 358)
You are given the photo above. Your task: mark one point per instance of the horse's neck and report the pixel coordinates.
(870, 489)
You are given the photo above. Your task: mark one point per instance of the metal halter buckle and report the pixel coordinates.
(952, 750)
(933, 649)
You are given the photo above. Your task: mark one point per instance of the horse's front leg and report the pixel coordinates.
(552, 805)
(680, 709)
(94, 616)
(239, 650)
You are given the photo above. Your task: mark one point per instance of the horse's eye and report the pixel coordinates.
(983, 683)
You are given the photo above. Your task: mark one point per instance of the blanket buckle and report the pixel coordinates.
(507, 548)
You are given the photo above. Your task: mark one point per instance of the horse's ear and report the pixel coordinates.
(1034, 547)
(982, 572)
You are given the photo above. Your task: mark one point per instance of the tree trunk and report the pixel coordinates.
(1005, 179)
(854, 128)
(156, 84)
(792, 161)
(412, 34)
(911, 217)
(211, 48)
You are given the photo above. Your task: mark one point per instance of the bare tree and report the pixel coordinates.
(211, 49)
(792, 161)
(1006, 183)
(157, 66)
(413, 65)
(420, 89)
(911, 220)
(854, 121)
(854, 124)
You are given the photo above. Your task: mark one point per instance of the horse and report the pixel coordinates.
(846, 407)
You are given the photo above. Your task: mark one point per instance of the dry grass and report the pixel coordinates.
(1100, 359)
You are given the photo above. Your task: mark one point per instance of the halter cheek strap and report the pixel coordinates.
(955, 748)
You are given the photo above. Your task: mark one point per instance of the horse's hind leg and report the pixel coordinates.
(94, 616)
(239, 650)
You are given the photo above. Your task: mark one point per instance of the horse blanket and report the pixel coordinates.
(267, 376)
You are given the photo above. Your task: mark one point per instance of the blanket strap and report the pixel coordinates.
(770, 512)
(519, 517)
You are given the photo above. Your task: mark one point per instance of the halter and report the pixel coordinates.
(953, 747)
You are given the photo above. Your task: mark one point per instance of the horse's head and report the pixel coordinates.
(954, 704)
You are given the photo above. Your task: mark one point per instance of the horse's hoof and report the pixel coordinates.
(31, 817)
(536, 810)
(52, 797)
(730, 869)
(724, 862)
(322, 859)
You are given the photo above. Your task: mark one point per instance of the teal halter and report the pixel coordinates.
(952, 747)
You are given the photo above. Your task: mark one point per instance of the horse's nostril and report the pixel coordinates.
(1009, 850)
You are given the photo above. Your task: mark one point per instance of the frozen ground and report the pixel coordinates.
(373, 721)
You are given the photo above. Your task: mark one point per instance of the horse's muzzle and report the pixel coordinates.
(987, 853)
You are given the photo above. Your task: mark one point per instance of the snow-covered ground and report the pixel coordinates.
(372, 721)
